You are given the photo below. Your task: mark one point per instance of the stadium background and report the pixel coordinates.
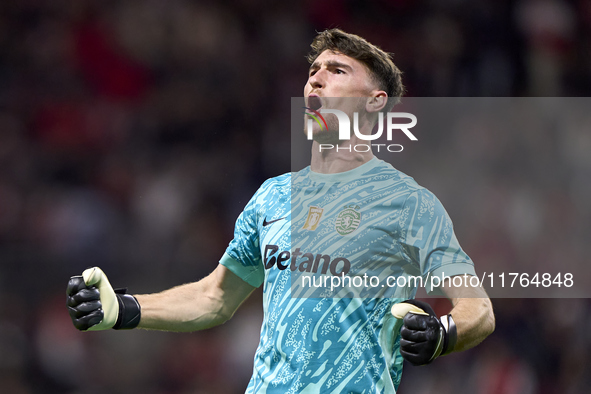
(133, 133)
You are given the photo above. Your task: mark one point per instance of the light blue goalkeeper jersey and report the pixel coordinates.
(299, 228)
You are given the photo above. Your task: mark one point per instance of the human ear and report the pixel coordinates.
(377, 102)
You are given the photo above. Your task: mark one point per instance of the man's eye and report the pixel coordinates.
(312, 72)
(339, 71)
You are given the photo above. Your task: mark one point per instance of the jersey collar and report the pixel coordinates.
(346, 176)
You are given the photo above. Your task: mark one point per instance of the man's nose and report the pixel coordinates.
(316, 81)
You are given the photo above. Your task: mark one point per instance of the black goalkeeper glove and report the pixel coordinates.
(423, 336)
(93, 305)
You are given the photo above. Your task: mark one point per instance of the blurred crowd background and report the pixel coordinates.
(133, 133)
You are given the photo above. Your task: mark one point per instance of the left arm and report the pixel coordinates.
(424, 335)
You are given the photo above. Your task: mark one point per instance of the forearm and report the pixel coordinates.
(195, 306)
(474, 320)
(190, 307)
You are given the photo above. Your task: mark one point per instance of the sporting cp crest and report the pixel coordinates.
(348, 220)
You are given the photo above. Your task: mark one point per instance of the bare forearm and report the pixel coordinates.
(474, 320)
(184, 308)
(194, 306)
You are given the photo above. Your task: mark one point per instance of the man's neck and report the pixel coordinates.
(340, 158)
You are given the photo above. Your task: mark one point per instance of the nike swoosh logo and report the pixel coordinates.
(265, 223)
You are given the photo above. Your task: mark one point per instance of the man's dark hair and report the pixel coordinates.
(380, 64)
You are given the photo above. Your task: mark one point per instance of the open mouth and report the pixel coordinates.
(314, 103)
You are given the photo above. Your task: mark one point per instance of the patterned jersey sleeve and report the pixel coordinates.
(429, 241)
(243, 255)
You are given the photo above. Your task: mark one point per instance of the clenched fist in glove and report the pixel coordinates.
(93, 305)
(423, 336)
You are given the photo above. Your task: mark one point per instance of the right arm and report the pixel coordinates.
(195, 306)
(93, 305)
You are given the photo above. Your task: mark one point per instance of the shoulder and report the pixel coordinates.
(277, 183)
(413, 198)
(397, 180)
(272, 189)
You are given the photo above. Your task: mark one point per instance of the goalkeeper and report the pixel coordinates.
(347, 210)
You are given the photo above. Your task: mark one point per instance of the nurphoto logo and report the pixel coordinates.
(345, 129)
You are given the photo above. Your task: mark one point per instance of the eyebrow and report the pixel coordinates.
(331, 63)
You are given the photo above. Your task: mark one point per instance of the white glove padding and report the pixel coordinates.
(401, 309)
(96, 277)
